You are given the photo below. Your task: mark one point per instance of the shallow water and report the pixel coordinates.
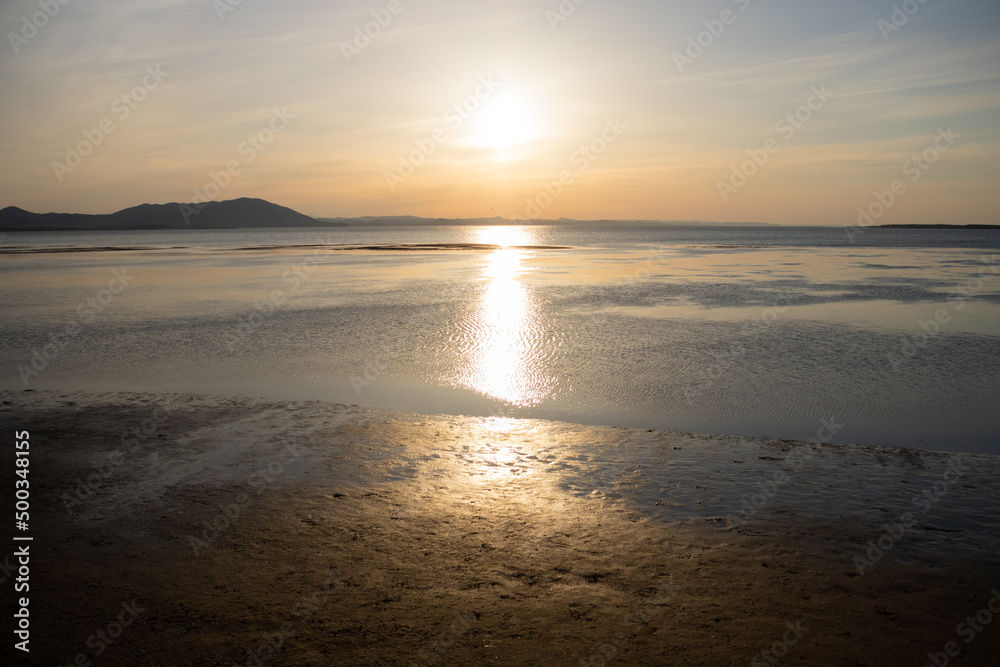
(791, 333)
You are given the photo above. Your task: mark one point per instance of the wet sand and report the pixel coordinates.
(191, 530)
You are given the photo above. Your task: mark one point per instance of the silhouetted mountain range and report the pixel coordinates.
(247, 212)
(232, 214)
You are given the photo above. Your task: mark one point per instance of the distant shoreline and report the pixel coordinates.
(937, 226)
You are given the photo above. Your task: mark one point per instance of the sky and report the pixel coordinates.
(782, 111)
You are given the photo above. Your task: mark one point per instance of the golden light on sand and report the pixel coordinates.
(504, 361)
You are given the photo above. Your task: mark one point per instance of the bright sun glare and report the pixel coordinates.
(506, 120)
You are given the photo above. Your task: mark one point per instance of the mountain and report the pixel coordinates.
(247, 212)
(232, 214)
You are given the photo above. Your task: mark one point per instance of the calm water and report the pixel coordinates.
(789, 332)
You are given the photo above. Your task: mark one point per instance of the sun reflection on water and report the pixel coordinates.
(504, 360)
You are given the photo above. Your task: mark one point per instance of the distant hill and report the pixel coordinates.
(232, 214)
(404, 220)
(258, 213)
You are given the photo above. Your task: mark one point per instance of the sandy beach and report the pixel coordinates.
(193, 530)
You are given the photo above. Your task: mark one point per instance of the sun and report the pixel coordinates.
(506, 120)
